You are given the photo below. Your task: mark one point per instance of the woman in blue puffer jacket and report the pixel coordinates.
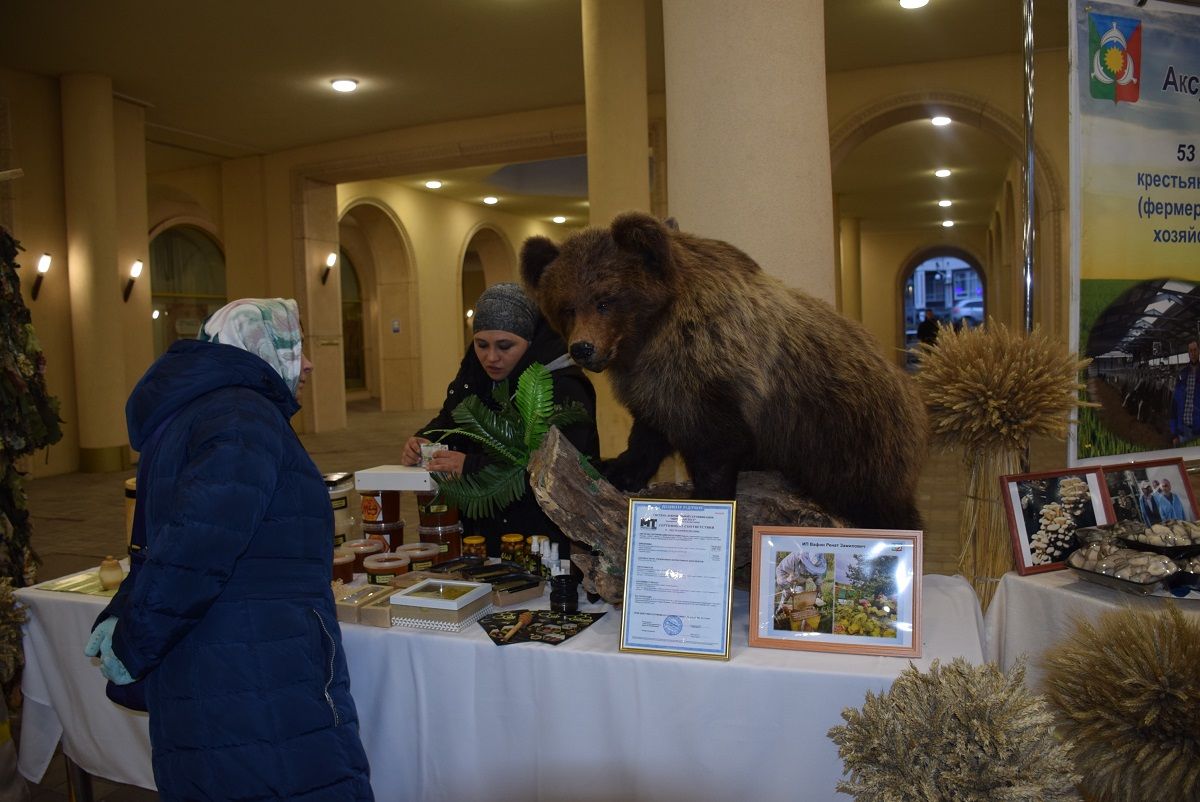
(229, 619)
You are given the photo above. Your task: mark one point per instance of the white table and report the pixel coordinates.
(1031, 614)
(451, 716)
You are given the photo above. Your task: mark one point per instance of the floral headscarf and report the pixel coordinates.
(266, 327)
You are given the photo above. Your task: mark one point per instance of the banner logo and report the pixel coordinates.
(1115, 47)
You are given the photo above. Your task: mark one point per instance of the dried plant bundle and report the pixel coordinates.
(962, 732)
(989, 388)
(1126, 693)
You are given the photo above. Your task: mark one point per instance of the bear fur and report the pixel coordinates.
(731, 368)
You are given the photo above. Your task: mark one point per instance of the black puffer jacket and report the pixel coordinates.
(570, 384)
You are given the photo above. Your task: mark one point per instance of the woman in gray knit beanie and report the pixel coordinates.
(509, 335)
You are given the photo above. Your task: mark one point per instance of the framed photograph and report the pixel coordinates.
(678, 578)
(836, 590)
(1149, 492)
(1044, 510)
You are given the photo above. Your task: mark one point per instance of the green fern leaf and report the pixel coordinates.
(535, 400)
(484, 494)
(568, 413)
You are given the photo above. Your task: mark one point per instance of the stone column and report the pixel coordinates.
(618, 149)
(93, 275)
(748, 128)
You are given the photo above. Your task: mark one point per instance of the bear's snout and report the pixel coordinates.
(587, 357)
(582, 352)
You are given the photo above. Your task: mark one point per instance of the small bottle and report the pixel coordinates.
(111, 573)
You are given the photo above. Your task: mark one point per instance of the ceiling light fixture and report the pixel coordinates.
(344, 84)
(942, 173)
(491, 200)
(944, 203)
(910, 4)
(947, 224)
(559, 219)
(940, 120)
(434, 184)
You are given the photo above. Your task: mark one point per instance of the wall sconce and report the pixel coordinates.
(330, 261)
(43, 267)
(135, 270)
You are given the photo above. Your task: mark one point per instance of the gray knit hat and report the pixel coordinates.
(505, 307)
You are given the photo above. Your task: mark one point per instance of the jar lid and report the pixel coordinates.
(440, 530)
(363, 545)
(372, 526)
(336, 480)
(473, 539)
(418, 550)
(512, 538)
(385, 561)
(342, 556)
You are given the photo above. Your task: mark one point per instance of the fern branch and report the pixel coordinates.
(535, 400)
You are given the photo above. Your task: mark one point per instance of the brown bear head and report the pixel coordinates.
(603, 289)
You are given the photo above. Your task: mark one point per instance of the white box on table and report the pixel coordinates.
(393, 477)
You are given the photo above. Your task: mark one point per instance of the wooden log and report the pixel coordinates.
(595, 515)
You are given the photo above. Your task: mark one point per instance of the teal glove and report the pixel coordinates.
(101, 639)
(100, 645)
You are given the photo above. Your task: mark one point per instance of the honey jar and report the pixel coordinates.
(381, 568)
(433, 510)
(475, 546)
(343, 565)
(512, 548)
(361, 549)
(390, 535)
(448, 539)
(381, 506)
(421, 555)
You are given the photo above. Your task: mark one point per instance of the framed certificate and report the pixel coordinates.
(836, 590)
(678, 578)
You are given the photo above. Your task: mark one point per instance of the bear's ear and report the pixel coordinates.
(536, 253)
(642, 234)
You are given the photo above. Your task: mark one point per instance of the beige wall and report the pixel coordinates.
(438, 232)
(256, 209)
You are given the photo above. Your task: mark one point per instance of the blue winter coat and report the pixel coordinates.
(231, 619)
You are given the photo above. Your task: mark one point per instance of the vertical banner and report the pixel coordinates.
(1135, 225)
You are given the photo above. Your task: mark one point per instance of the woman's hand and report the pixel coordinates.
(412, 451)
(447, 462)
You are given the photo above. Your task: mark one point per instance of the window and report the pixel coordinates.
(187, 283)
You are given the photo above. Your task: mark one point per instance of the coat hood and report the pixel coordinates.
(190, 369)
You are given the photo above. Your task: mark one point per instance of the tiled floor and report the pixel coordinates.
(80, 518)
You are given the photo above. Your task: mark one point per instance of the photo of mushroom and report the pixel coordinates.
(1046, 509)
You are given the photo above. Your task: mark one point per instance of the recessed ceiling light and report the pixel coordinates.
(942, 173)
(344, 84)
(944, 203)
(940, 120)
(435, 184)
(947, 224)
(913, 3)
(491, 200)
(559, 219)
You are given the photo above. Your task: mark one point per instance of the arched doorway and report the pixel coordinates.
(948, 282)
(488, 259)
(354, 357)
(187, 283)
(378, 259)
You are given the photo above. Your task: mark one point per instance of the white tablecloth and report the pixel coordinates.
(452, 716)
(1030, 614)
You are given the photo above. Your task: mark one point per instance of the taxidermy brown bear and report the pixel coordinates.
(726, 365)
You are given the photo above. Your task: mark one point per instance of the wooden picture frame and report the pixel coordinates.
(856, 591)
(1035, 503)
(1130, 480)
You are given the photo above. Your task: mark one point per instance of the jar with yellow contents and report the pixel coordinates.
(513, 549)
